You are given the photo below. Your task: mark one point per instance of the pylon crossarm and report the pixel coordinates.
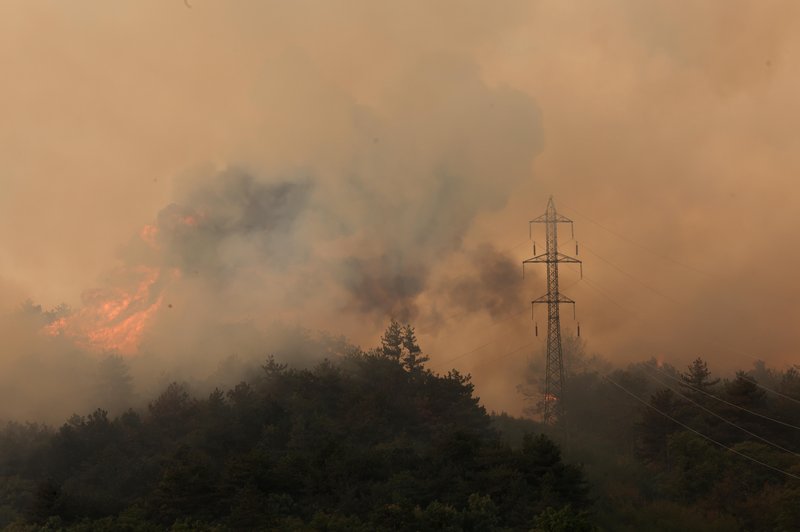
(566, 258)
(537, 259)
(545, 299)
(545, 218)
(545, 258)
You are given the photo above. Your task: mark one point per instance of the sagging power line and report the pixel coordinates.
(709, 438)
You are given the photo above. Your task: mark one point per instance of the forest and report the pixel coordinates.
(374, 440)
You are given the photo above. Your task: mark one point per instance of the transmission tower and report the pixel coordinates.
(554, 372)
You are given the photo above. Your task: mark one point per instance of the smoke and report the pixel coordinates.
(221, 222)
(495, 285)
(241, 253)
(250, 170)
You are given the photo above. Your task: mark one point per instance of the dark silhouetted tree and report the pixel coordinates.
(655, 429)
(392, 341)
(413, 359)
(744, 391)
(698, 379)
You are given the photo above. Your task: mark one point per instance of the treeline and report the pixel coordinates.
(376, 441)
(366, 441)
(667, 449)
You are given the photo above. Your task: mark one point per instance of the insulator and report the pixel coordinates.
(534, 249)
(576, 248)
(536, 329)
(579, 329)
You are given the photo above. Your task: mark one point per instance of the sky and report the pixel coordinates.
(196, 171)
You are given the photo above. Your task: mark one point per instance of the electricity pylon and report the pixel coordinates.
(554, 372)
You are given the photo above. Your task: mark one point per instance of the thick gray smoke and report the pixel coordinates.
(219, 214)
(359, 154)
(371, 227)
(244, 259)
(494, 285)
(449, 149)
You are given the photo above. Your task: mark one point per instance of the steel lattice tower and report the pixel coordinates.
(554, 373)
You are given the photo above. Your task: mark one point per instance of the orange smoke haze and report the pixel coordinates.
(190, 181)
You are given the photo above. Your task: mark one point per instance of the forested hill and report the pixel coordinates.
(370, 441)
(376, 441)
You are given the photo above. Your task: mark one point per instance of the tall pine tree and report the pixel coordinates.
(698, 378)
(413, 359)
(392, 341)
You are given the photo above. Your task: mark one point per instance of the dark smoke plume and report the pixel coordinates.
(494, 285)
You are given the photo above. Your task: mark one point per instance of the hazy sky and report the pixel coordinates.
(336, 163)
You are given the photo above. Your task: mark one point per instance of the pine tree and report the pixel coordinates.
(654, 429)
(413, 359)
(392, 341)
(744, 391)
(697, 379)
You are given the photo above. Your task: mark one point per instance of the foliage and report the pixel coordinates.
(696, 453)
(368, 441)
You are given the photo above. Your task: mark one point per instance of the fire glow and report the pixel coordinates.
(113, 319)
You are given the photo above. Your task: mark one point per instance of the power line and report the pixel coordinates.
(493, 325)
(638, 245)
(478, 348)
(720, 399)
(631, 276)
(729, 422)
(712, 440)
(508, 353)
(715, 340)
(778, 393)
(588, 282)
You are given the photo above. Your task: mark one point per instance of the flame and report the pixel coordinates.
(190, 220)
(125, 335)
(116, 317)
(149, 233)
(56, 327)
(113, 319)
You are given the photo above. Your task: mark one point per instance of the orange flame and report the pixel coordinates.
(190, 220)
(112, 319)
(56, 327)
(115, 318)
(149, 233)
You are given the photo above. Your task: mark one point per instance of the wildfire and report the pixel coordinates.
(149, 233)
(190, 219)
(113, 319)
(56, 327)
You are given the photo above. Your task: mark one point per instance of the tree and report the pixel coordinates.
(744, 391)
(790, 382)
(655, 429)
(564, 519)
(698, 379)
(413, 359)
(392, 341)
